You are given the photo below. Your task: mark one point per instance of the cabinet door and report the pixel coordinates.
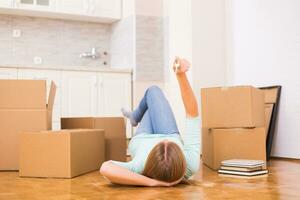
(105, 8)
(46, 5)
(115, 92)
(8, 73)
(6, 3)
(79, 94)
(73, 6)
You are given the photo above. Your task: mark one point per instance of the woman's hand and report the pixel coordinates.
(181, 65)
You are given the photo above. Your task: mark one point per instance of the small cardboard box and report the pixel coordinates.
(115, 133)
(23, 107)
(232, 107)
(61, 154)
(237, 143)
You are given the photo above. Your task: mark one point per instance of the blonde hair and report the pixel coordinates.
(166, 162)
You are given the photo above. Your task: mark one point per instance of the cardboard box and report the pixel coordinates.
(268, 116)
(232, 107)
(270, 95)
(237, 143)
(22, 94)
(115, 133)
(23, 107)
(61, 154)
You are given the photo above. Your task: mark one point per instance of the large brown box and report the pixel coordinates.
(232, 107)
(61, 154)
(236, 143)
(23, 107)
(115, 133)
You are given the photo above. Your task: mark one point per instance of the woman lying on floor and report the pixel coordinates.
(160, 156)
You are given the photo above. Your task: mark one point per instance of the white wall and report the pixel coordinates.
(266, 51)
(122, 38)
(208, 44)
(149, 8)
(209, 41)
(178, 42)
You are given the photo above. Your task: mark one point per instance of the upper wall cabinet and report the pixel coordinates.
(111, 8)
(48, 5)
(103, 11)
(73, 6)
(93, 8)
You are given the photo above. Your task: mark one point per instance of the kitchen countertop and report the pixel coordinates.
(71, 68)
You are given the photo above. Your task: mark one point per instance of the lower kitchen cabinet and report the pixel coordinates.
(79, 94)
(82, 93)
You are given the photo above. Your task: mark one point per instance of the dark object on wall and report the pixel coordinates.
(272, 96)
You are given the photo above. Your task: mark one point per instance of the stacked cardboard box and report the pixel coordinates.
(26, 139)
(23, 107)
(233, 121)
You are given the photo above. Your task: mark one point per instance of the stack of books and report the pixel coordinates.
(243, 168)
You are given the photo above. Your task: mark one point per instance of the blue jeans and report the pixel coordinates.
(154, 114)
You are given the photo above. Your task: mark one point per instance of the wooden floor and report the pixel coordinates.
(283, 182)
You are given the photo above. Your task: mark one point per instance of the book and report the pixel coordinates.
(242, 169)
(243, 177)
(243, 163)
(241, 173)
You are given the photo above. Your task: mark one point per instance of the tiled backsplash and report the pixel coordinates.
(122, 43)
(57, 42)
(149, 48)
(135, 40)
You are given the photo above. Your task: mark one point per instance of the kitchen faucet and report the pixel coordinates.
(92, 54)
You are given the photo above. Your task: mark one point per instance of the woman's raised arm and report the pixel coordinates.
(189, 100)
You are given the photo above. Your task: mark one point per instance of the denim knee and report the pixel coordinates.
(154, 89)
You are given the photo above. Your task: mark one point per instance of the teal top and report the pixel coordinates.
(141, 145)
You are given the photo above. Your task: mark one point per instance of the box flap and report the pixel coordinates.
(51, 96)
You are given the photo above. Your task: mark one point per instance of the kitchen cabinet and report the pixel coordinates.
(79, 94)
(40, 5)
(103, 11)
(96, 8)
(105, 8)
(114, 93)
(8, 73)
(73, 6)
(6, 3)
